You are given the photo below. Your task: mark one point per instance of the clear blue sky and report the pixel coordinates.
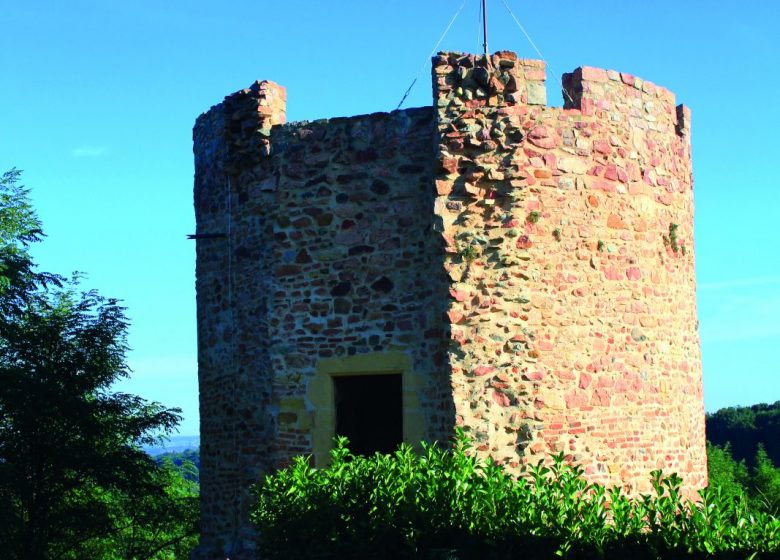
(98, 99)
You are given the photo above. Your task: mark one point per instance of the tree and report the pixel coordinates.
(188, 460)
(766, 482)
(159, 527)
(760, 484)
(70, 448)
(731, 476)
(19, 228)
(745, 427)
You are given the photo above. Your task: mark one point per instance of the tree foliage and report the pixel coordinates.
(759, 484)
(71, 463)
(188, 461)
(159, 526)
(19, 228)
(744, 428)
(731, 476)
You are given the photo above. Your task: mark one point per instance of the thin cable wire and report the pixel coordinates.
(433, 52)
(527, 36)
(479, 25)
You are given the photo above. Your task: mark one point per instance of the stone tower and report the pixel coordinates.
(525, 272)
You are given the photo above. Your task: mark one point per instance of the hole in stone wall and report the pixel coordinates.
(369, 412)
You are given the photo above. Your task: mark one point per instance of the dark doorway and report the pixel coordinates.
(369, 412)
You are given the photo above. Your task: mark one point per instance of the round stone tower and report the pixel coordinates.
(521, 271)
(569, 242)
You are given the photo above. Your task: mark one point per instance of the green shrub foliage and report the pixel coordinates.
(450, 504)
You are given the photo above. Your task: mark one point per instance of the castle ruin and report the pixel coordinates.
(522, 271)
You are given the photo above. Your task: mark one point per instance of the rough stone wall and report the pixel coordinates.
(323, 249)
(534, 264)
(356, 267)
(569, 245)
(233, 282)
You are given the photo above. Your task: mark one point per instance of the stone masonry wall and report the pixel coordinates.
(327, 252)
(569, 244)
(233, 281)
(531, 266)
(356, 269)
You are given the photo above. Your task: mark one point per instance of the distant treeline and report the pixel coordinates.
(188, 461)
(742, 439)
(743, 451)
(744, 429)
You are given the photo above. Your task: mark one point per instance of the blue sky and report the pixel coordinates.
(98, 99)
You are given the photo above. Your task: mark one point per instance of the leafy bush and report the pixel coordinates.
(450, 504)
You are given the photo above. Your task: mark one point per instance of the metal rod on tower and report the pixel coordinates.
(484, 25)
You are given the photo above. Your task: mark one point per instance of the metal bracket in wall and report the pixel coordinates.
(206, 235)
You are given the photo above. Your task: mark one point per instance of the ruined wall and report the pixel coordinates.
(315, 248)
(529, 270)
(233, 281)
(357, 269)
(569, 242)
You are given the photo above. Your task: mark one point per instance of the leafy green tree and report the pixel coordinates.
(765, 483)
(71, 462)
(19, 228)
(759, 484)
(158, 527)
(188, 460)
(745, 427)
(731, 476)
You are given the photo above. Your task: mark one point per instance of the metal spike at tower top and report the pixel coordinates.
(484, 25)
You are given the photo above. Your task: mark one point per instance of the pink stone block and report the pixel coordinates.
(459, 295)
(588, 107)
(612, 273)
(455, 317)
(501, 399)
(615, 222)
(543, 137)
(601, 397)
(594, 74)
(544, 345)
(535, 75)
(483, 370)
(576, 399)
(443, 188)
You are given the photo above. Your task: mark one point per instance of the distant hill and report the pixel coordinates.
(744, 427)
(175, 444)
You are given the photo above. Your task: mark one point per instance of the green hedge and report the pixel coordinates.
(449, 504)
